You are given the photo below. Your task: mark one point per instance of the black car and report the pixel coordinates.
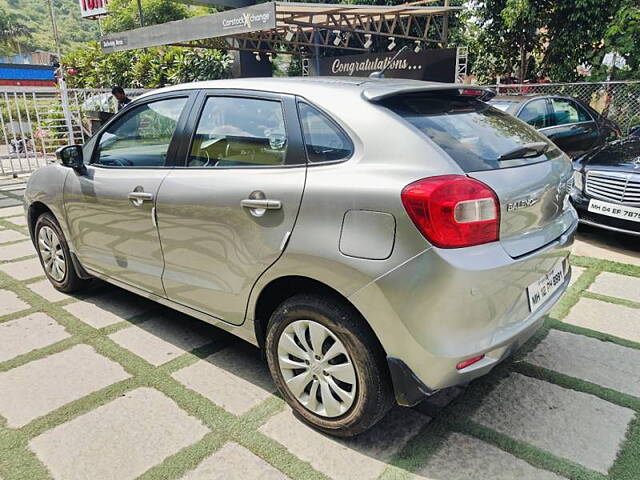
(606, 191)
(572, 125)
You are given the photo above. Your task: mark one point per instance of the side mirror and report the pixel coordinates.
(70, 156)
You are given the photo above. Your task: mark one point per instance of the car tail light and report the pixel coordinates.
(469, 361)
(453, 211)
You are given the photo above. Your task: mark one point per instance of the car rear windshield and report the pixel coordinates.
(473, 133)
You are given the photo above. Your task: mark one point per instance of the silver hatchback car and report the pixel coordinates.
(379, 239)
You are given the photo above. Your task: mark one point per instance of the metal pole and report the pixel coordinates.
(140, 13)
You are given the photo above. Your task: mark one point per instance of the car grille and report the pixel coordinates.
(619, 187)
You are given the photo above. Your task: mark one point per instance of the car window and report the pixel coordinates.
(535, 113)
(140, 137)
(568, 111)
(324, 141)
(239, 132)
(471, 132)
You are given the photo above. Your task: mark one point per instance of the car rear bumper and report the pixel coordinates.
(581, 203)
(446, 306)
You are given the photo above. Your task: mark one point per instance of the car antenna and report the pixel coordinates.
(380, 74)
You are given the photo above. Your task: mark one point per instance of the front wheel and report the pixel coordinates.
(328, 365)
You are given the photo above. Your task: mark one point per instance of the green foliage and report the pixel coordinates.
(124, 14)
(148, 68)
(12, 31)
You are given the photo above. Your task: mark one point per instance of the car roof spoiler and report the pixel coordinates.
(381, 90)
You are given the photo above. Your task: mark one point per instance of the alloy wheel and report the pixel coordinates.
(52, 253)
(317, 368)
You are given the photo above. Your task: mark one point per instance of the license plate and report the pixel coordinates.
(542, 289)
(614, 210)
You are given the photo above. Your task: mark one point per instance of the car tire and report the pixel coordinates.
(54, 255)
(322, 343)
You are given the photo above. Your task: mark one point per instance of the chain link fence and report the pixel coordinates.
(620, 101)
(33, 122)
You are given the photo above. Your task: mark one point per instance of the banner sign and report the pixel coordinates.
(227, 23)
(93, 8)
(436, 65)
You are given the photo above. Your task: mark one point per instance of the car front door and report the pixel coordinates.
(225, 216)
(572, 128)
(110, 205)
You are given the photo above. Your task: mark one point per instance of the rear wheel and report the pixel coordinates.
(55, 256)
(328, 365)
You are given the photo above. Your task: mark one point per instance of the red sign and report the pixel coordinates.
(93, 8)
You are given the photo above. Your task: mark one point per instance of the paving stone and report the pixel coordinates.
(119, 440)
(618, 320)
(11, 236)
(602, 363)
(16, 250)
(41, 386)
(615, 285)
(23, 269)
(235, 378)
(160, 339)
(461, 457)
(362, 457)
(11, 211)
(46, 291)
(10, 303)
(112, 306)
(9, 202)
(574, 425)
(20, 221)
(28, 333)
(234, 462)
(607, 246)
(575, 274)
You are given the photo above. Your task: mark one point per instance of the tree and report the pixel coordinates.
(123, 14)
(12, 31)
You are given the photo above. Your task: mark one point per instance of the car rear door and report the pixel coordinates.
(572, 128)
(225, 214)
(110, 205)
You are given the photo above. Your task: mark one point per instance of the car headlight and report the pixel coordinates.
(577, 180)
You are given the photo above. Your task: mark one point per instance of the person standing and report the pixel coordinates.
(121, 97)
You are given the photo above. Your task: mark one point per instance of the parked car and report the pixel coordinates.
(607, 186)
(378, 239)
(572, 124)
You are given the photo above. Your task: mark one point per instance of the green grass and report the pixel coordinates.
(18, 462)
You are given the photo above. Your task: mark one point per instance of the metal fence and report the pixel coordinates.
(35, 121)
(620, 101)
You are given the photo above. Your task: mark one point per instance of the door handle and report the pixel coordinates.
(138, 198)
(261, 204)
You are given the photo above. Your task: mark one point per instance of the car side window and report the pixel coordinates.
(239, 132)
(140, 137)
(324, 141)
(535, 113)
(567, 111)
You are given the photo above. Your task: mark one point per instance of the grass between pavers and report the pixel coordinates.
(17, 461)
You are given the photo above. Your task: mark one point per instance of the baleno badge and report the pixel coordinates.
(512, 207)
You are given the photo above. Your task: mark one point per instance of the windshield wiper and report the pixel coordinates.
(525, 151)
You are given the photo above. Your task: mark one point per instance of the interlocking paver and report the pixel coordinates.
(19, 221)
(575, 274)
(615, 285)
(358, 458)
(46, 290)
(25, 334)
(580, 427)
(602, 363)
(618, 320)
(234, 462)
(41, 386)
(160, 339)
(461, 457)
(24, 269)
(11, 211)
(17, 250)
(234, 378)
(112, 306)
(10, 303)
(11, 236)
(119, 440)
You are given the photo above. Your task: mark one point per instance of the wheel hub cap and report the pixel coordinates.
(317, 368)
(52, 254)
